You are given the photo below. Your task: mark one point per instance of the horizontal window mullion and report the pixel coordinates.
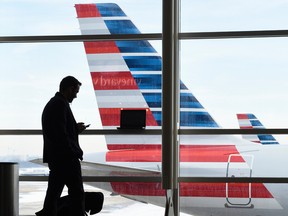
(78, 38)
(234, 179)
(152, 36)
(157, 131)
(233, 34)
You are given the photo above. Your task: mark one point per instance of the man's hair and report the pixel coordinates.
(68, 82)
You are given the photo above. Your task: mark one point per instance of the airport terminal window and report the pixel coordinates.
(59, 17)
(218, 77)
(222, 15)
(229, 77)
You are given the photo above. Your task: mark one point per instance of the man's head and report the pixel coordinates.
(69, 87)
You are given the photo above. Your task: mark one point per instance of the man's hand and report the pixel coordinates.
(81, 127)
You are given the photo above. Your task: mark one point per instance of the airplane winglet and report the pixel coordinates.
(249, 121)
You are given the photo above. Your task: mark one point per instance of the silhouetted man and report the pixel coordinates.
(61, 149)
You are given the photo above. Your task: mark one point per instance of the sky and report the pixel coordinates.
(227, 76)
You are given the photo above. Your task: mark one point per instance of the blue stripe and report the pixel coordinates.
(153, 99)
(183, 86)
(269, 143)
(197, 119)
(191, 119)
(251, 116)
(187, 100)
(158, 116)
(143, 63)
(135, 47)
(255, 123)
(149, 81)
(121, 27)
(109, 9)
(266, 137)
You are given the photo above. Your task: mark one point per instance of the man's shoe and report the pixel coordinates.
(40, 213)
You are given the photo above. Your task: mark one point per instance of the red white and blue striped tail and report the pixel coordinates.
(127, 74)
(249, 121)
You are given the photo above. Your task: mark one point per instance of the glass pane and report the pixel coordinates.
(58, 17)
(234, 199)
(222, 78)
(32, 196)
(132, 80)
(233, 84)
(31, 76)
(223, 15)
(230, 156)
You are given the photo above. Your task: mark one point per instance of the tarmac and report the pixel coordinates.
(31, 196)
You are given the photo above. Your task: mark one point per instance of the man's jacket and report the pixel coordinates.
(60, 131)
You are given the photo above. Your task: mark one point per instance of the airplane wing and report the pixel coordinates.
(105, 170)
(133, 189)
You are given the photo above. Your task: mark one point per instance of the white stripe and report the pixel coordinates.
(156, 109)
(146, 72)
(93, 26)
(244, 123)
(185, 91)
(106, 62)
(193, 127)
(268, 141)
(151, 90)
(116, 18)
(95, 32)
(192, 110)
(159, 90)
(147, 127)
(120, 99)
(259, 127)
(181, 110)
(134, 139)
(89, 20)
(141, 54)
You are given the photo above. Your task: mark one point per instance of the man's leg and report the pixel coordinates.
(54, 190)
(74, 183)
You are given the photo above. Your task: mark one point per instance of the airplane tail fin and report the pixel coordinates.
(249, 121)
(128, 74)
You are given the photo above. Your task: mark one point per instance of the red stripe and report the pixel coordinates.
(208, 153)
(134, 146)
(111, 117)
(246, 127)
(191, 153)
(101, 47)
(113, 80)
(87, 10)
(242, 116)
(235, 190)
